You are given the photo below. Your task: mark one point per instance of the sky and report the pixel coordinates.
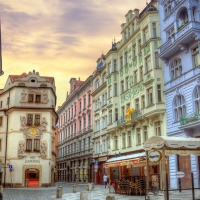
(59, 38)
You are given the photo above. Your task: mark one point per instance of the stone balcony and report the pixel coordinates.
(185, 34)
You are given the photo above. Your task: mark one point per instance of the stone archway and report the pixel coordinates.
(25, 167)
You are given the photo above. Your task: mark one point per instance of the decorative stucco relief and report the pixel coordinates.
(21, 149)
(43, 149)
(33, 130)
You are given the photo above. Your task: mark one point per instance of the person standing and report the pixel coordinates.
(105, 180)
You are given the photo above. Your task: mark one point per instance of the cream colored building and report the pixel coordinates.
(27, 135)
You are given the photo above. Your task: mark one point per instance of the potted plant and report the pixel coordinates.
(28, 150)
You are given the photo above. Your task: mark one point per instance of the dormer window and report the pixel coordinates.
(38, 99)
(33, 80)
(21, 84)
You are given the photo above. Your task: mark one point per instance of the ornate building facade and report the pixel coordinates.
(27, 120)
(75, 133)
(180, 35)
(135, 102)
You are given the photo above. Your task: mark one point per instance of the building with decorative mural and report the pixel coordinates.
(27, 120)
(75, 133)
(135, 102)
(180, 35)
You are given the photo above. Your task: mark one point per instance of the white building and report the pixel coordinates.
(27, 119)
(180, 35)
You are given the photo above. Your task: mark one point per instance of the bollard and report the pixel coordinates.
(110, 198)
(92, 185)
(74, 188)
(84, 195)
(59, 192)
(87, 187)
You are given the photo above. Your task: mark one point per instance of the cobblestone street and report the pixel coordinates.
(98, 193)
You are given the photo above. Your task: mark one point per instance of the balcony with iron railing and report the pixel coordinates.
(134, 116)
(186, 33)
(193, 117)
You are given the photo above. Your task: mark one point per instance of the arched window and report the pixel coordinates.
(182, 17)
(104, 78)
(176, 68)
(97, 84)
(197, 99)
(179, 107)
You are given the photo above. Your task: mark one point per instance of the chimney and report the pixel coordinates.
(1, 72)
(136, 12)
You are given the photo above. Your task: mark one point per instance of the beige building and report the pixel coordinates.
(27, 132)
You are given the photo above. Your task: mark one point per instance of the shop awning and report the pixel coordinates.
(133, 159)
(157, 142)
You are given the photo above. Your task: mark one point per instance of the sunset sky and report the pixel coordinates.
(60, 38)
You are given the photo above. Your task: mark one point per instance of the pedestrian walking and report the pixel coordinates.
(105, 180)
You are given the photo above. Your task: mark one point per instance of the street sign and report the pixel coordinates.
(96, 162)
(10, 167)
(10, 170)
(96, 167)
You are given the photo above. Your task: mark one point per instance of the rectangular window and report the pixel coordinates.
(116, 114)
(122, 86)
(89, 119)
(139, 46)
(129, 139)
(109, 92)
(170, 33)
(159, 93)
(156, 60)
(80, 106)
(115, 65)
(79, 145)
(137, 104)
(123, 140)
(145, 133)
(148, 64)
(167, 8)
(126, 58)
(37, 120)
(127, 83)
(121, 61)
(80, 125)
(196, 57)
(136, 77)
(134, 51)
(30, 119)
(154, 30)
(36, 145)
(116, 142)
(115, 89)
(89, 100)
(143, 101)
(38, 99)
(141, 73)
(109, 68)
(123, 111)
(83, 144)
(84, 104)
(138, 135)
(30, 98)
(29, 144)
(146, 34)
(110, 116)
(158, 128)
(1, 121)
(150, 96)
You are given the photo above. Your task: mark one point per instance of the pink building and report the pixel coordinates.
(75, 133)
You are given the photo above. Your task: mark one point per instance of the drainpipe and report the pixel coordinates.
(6, 141)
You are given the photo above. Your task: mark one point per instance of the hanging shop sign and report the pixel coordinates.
(155, 156)
(180, 174)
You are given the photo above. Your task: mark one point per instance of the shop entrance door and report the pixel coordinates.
(32, 178)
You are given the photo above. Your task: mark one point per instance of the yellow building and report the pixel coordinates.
(136, 104)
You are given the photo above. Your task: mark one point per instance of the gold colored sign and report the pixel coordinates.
(129, 112)
(33, 130)
(155, 156)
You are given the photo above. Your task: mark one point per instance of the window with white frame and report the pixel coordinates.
(121, 61)
(115, 65)
(141, 73)
(197, 99)
(158, 128)
(103, 100)
(196, 57)
(145, 132)
(150, 96)
(126, 57)
(138, 136)
(159, 93)
(168, 8)
(115, 142)
(137, 104)
(154, 30)
(97, 84)
(127, 83)
(156, 60)
(129, 139)
(122, 86)
(109, 68)
(104, 78)
(135, 76)
(179, 107)
(139, 46)
(109, 91)
(143, 101)
(146, 34)
(148, 63)
(110, 116)
(124, 140)
(176, 68)
(134, 51)
(116, 114)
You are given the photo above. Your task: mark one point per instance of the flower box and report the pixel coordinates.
(36, 150)
(27, 150)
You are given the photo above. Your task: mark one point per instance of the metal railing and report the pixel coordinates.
(193, 117)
